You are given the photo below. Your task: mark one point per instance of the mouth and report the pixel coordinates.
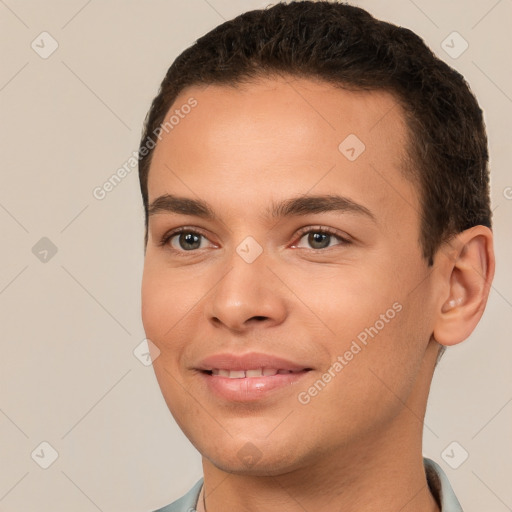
(248, 374)
(249, 377)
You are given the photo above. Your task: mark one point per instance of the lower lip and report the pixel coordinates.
(250, 389)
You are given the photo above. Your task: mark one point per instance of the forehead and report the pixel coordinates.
(281, 136)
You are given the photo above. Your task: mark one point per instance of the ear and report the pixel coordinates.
(468, 278)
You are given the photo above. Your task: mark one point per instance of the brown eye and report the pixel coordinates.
(320, 238)
(188, 241)
(184, 240)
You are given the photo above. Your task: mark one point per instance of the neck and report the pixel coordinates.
(373, 483)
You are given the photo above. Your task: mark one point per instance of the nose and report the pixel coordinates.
(248, 295)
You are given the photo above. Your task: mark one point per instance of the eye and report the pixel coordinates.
(184, 240)
(320, 238)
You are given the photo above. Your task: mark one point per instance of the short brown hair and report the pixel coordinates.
(347, 47)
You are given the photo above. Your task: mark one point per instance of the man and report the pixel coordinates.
(316, 192)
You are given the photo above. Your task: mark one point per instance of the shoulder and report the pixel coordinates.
(186, 503)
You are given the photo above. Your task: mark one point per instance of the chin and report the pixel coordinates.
(263, 467)
(252, 459)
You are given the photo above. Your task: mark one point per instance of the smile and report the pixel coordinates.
(242, 374)
(250, 376)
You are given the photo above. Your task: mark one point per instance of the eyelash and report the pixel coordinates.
(310, 229)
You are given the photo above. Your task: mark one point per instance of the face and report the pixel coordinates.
(298, 254)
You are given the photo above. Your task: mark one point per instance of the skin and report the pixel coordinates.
(357, 444)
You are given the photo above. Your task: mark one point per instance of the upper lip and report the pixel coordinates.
(248, 361)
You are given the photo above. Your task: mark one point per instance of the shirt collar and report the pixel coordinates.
(440, 487)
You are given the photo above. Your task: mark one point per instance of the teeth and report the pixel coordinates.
(241, 374)
(236, 374)
(254, 373)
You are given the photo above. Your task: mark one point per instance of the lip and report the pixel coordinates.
(249, 389)
(248, 361)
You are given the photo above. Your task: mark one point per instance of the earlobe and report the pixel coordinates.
(470, 270)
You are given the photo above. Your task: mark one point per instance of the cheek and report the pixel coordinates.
(165, 305)
(393, 344)
(346, 299)
(374, 323)
(166, 302)
(155, 309)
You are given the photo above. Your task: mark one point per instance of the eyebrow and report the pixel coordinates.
(168, 203)
(295, 206)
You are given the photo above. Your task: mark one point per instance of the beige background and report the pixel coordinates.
(69, 326)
